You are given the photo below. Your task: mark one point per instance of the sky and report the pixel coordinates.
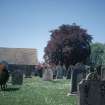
(26, 23)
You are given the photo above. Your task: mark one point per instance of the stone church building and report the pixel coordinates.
(21, 58)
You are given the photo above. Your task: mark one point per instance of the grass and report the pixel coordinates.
(35, 91)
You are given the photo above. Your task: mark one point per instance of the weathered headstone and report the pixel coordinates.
(78, 73)
(48, 74)
(17, 77)
(64, 71)
(92, 92)
(40, 72)
(28, 72)
(54, 72)
(103, 73)
(35, 71)
(59, 69)
(68, 76)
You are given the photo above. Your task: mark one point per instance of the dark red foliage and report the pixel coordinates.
(68, 44)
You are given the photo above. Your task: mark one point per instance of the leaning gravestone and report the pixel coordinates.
(17, 77)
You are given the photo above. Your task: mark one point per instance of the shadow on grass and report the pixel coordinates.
(11, 89)
(57, 81)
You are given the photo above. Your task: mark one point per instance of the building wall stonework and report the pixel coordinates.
(19, 56)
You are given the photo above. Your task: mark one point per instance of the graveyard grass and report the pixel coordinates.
(35, 91)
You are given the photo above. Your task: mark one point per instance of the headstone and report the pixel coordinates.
(74, 81)
(103, 73)
(28, 72)
(92, 92)
(69, 72)
(59, 69)
(35, 71)
(40, 72)
(87, 69)
(17, 77)
(78, 73)
(48, 74)
(54, 72)
(64, 71)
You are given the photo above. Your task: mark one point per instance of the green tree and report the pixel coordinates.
(97, 56)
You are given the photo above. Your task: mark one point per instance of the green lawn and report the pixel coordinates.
(35, 91)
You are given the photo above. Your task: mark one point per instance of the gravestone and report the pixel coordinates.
(17, 77)
(68, 76)
(59, 69)
(78, 73)
(40, 72)
(28, 71)
(103, 73)
(64, 71)
(92, 92)
(35, 71)
(48, 74)
(54, 72)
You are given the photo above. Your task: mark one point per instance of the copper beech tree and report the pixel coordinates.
(68, 45)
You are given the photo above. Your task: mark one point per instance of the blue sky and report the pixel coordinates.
(26, 23)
